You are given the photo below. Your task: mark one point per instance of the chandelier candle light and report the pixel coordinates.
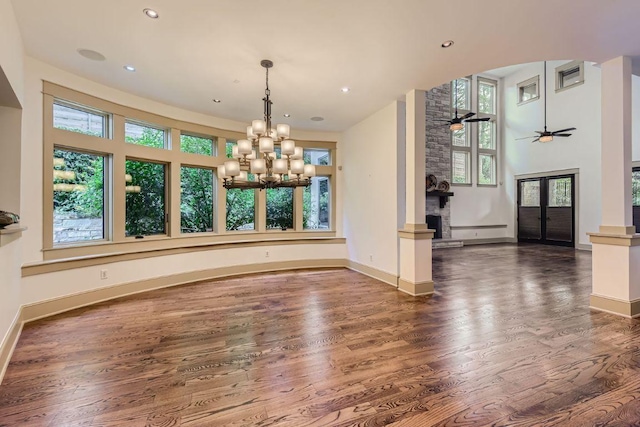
(257, 155)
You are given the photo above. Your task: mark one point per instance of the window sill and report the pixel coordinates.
(59, 259)
(11, 233)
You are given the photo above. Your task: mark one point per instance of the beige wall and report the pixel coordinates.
(370, 189)
(11, 57)
(11, 50)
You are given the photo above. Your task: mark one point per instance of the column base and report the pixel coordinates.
(629, 309)
(416, 289)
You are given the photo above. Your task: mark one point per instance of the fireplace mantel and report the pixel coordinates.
(443, 195)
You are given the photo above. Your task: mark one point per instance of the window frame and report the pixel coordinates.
(468, 149)
(535, 80)
(116, 150)
(562, 69)
(493, 119)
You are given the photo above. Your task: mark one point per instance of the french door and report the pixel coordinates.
(546, 210)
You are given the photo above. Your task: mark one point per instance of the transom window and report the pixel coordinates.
(569, 75)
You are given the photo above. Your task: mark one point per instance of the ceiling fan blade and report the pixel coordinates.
(562, 131)
(466, 116)
(484, 119)
(561, 134)
(526, 137)
(536, 140)
(540, 132)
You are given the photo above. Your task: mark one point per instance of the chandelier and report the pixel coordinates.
(257, 155)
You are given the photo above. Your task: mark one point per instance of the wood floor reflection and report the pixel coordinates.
(508, 340)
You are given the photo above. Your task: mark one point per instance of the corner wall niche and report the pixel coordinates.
(438, 150)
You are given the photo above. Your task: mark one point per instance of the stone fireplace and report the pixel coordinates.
(438, 149)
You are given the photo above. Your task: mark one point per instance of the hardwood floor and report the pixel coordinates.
(508, 340)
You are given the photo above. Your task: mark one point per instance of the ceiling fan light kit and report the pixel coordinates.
(457, 123)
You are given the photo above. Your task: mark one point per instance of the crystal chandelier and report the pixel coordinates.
(257, 155)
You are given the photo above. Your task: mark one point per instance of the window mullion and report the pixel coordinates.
(117, 207)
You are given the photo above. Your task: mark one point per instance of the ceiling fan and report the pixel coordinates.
(456, 123)
(545, 135)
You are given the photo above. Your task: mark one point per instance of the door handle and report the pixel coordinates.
(548, 219)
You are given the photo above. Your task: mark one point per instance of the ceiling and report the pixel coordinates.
(201, 49)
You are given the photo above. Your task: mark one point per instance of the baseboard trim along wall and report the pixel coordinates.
(54, 306)
(629, 309)
(10, 342)
(383, 276)
(468, 242)
(416, 289)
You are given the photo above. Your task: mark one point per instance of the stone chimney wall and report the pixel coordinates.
(438, 149)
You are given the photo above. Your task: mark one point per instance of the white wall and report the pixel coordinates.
(11, 57)
(370, 190)
(577, 107)
(11, 49)
(473, 206)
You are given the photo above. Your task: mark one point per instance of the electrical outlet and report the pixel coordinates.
(103, 274)
(266, 254)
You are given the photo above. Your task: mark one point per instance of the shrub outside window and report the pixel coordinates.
(78, 197)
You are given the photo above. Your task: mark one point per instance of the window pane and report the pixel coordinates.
(461, 98)
(461, 167)
(241, 209)
(315, 207)
(196, 200)
(78, 120)
(486, 97)
(487, 169)
(460, 137)
(635, 188)
(487, 135)
(560, 192)
(528, 92)
(316, 157)
(280, 208)
(197, 145)
(570, 77)
(78, 197)
(145, 199)
(144, 135)
(530, 193)
(229, 148)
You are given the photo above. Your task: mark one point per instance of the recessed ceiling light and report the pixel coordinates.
(317, 119)
(345, 89)
(287, 115)
(448, 43)
(129, 68)
(216, 100)
(91, 54)
(151, 13)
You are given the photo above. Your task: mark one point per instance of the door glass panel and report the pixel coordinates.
(530, 193)
(559, 192)
(635, 187)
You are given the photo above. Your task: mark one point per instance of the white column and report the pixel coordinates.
(415, 239)
(415, 154)
(616, 248)
(616, 147)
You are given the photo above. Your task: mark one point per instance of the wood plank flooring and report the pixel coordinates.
(508, 340)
